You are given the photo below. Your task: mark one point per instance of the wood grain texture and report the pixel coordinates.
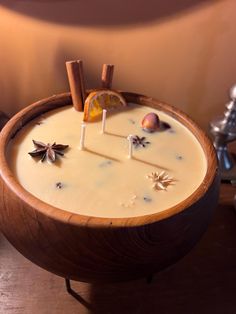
(100, 249)
(202, 282)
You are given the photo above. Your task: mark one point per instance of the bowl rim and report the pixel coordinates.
(58, 214)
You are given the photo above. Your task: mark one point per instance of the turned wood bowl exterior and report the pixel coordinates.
(101, 249)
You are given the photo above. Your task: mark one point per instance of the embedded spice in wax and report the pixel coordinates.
(100, 180)
(59, 185)
(179, 157)
(39, 122)
(160, 180)
(130, 203)
(147, 199)
(47, 151)
(151, 122)
(139, 141)
(99, 100)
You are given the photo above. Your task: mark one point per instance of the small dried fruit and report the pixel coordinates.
(151, 122)
(99, 100)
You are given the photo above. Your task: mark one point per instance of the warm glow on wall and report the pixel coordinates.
(183, 55)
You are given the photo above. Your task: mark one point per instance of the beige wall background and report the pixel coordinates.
(181, 53)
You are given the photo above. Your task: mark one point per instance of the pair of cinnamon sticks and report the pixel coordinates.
(77, 84)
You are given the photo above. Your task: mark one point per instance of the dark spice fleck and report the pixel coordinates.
(105, 163)
(39, 122)
(139, 141)
(179, 157)
(59, 185)
(131, 121)
(147, 199)
(47, 151)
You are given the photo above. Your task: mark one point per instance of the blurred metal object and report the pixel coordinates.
(3, 119)
(224, 132)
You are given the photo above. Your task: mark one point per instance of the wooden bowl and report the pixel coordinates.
(102, 249)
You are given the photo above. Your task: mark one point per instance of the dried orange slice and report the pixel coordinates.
(99, 100)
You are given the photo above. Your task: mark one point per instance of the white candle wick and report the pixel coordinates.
(82, 136)
(104, 114)
(130, 139)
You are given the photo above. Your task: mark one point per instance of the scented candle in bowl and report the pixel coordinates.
(95, 214)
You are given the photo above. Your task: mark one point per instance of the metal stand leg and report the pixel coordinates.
(68, 286)
(76, 295)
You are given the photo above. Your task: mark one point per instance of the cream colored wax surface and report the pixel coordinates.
(101, 180)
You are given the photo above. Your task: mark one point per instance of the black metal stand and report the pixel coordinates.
(75, 295)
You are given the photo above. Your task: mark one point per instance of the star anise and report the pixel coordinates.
(47, 151)
(160, 180)
(139, 141)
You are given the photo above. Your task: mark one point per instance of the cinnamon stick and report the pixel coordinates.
(76, 82)
(107, 75)
(82, 82)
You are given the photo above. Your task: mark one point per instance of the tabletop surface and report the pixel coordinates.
(204, 281)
